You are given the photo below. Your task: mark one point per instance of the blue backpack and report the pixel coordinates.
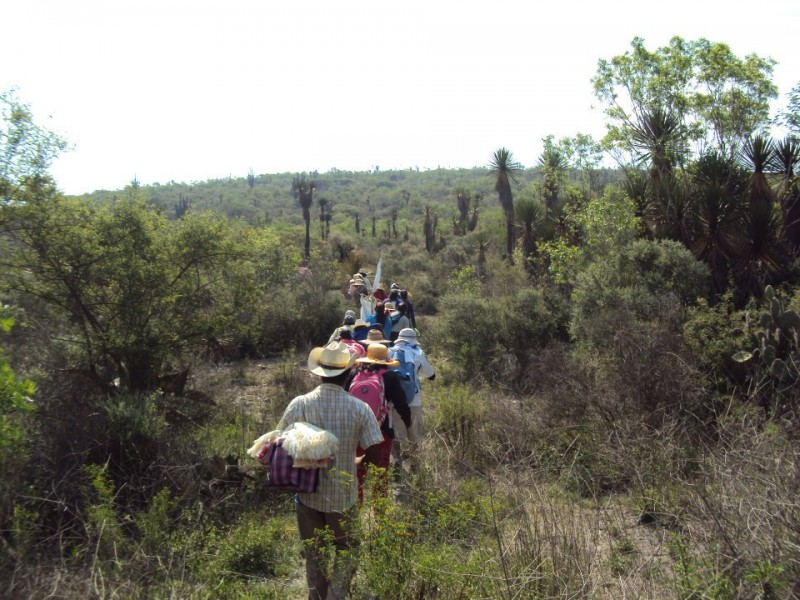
(406, 371)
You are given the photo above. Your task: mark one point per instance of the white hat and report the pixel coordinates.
(407, 335)
(331, 360)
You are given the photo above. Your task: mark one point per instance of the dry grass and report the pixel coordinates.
(735, 513)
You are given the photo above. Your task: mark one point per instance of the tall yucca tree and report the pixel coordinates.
(303, 190)
(554, 167)
(718, 188)
(658, 137)
(762, 258)
(787, 157)
(506, 170)
(758, 154)
(428, 229)
(529, 214)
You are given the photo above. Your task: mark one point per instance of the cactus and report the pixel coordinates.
(774, 333)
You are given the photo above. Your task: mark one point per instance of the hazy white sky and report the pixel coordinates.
(188, 90)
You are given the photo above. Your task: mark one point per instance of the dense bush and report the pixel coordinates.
(650, 280)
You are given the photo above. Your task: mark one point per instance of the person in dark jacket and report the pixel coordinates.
(378, 359)
(412, 318)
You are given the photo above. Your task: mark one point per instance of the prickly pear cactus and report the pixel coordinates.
(775, 333)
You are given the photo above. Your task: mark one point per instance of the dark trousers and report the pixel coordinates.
(312, 524)
(381, 487)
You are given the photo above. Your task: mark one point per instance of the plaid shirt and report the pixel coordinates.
(352, 422)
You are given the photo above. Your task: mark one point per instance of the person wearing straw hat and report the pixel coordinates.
(333, 505)
(374, 336)
(406, 348)
(348, 322)
(379, 387)
(360, 330)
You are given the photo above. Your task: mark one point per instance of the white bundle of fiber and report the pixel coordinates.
(265, 439)
(304, 441)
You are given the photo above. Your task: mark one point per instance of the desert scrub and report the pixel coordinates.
(256, 547)
(458, 414)
(427, 549)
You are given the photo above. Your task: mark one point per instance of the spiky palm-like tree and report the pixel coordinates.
(529, 213)
(506, 170)
(323, 202)
(761, 257)
(554, 167)
(428, 230)
(758, 154)
(658, 137)
(481, 240)
(787, 157)
(303, 190)
(473, 219)
(718, 187)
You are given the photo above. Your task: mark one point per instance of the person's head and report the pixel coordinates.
(345, 334)
(407, 336)
(394, 286)
(359, 324)
(394, 295)
(331, 362)
(404, 294)
(349, 318)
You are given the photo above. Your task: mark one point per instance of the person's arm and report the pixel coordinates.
(393, 390)
(371, 436)
(333, 337)
(425, 366)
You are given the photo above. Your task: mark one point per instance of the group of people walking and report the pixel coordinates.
(369, 397)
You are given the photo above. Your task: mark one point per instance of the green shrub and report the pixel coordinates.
(528, 322)
(299, 316)
(430, 549)
(714, 334)
(466, 331)
(458, 415)
(651, 280)
(255, 547)
(155, 523)
(103, 525)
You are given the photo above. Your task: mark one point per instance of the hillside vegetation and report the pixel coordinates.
(615, 412)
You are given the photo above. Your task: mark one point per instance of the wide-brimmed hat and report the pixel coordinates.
(360, 323)
(388, 306)
(407, 335)
(378, 354)
(375, 336)
(331, 360)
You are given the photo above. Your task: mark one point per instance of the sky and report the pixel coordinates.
(190, 90)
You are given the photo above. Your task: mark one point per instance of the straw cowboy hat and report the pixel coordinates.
(360, 323)
(375, 336)
(377, 354)
(330, 360)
